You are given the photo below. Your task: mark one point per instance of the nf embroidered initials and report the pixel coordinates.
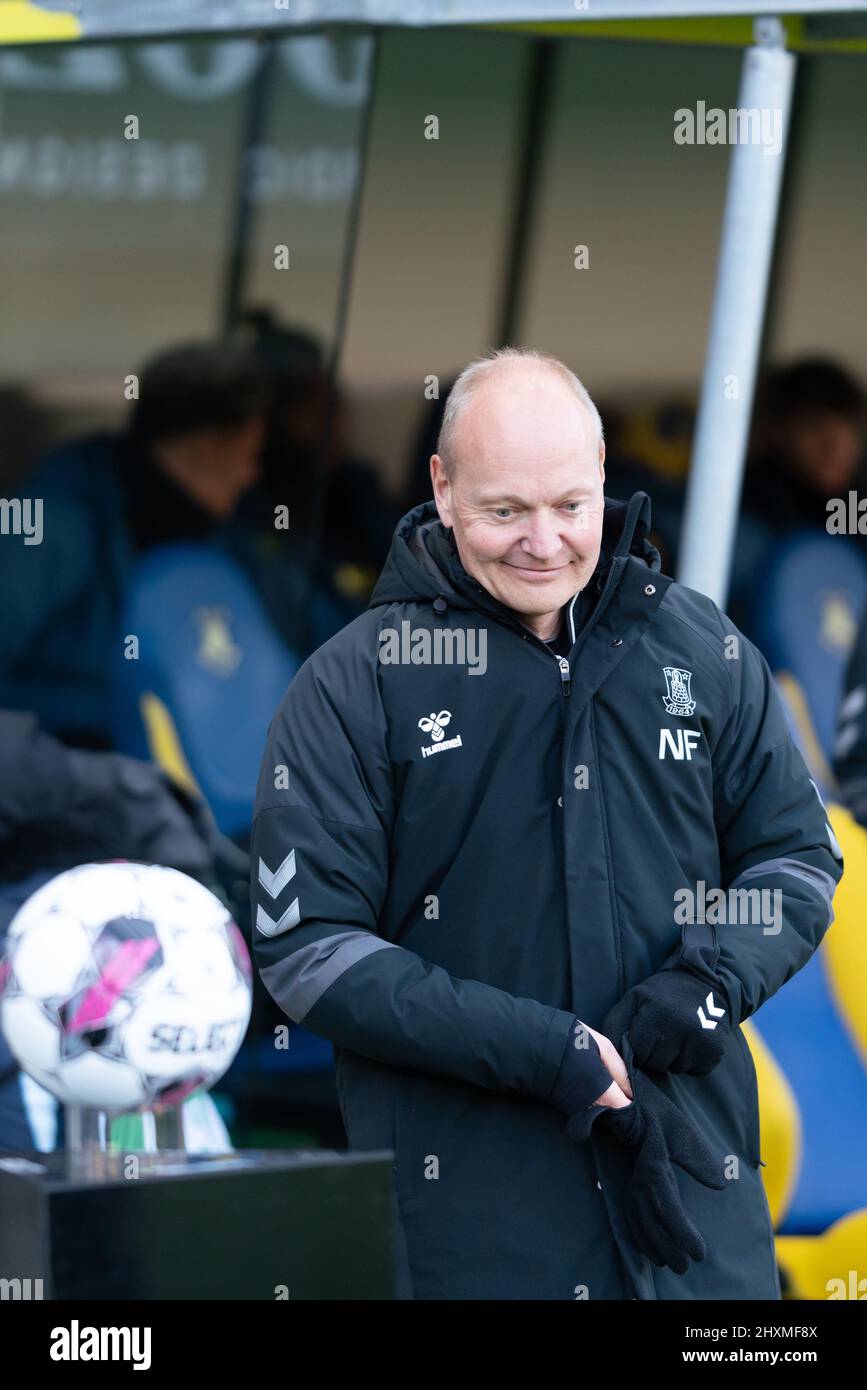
(681, 747)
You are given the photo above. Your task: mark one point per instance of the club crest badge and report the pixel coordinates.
(679, 698)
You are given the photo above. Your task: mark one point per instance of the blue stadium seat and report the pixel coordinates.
(806, 611)
(199, 690)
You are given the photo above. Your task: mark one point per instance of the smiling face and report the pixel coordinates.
(525, 501)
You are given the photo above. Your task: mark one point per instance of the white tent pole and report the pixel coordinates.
(746, 246)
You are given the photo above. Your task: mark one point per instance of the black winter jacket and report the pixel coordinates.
(451, 862)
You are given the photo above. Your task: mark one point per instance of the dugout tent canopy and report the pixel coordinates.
(771, 37)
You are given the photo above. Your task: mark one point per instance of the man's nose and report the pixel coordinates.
(542, 538)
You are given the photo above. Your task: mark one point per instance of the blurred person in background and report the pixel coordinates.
(807, 444)
(335, 497)
(806, 447)
(187, 468)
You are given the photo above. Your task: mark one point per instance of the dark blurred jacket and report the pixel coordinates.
(63, 806)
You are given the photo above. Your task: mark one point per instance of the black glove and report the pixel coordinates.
(660, 1136)
(675, 1020)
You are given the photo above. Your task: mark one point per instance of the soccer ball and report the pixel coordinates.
(124, 987)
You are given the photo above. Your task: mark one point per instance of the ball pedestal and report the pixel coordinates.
(259, 1225)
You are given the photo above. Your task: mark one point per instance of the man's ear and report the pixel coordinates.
(602, 460)
(442, 491)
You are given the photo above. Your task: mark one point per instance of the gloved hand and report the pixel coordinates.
(660, 1136)
(675, 1022)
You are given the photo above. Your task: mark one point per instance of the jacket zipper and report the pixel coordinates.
(565, 669)
(565, 674)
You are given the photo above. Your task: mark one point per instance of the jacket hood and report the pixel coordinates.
(423, 564)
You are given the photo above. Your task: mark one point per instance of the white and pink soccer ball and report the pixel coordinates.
(124, 987)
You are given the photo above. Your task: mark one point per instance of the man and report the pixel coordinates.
(470, 876)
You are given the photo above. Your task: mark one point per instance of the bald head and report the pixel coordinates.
(513, 384)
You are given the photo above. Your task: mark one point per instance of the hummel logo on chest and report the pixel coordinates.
(435, 725)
